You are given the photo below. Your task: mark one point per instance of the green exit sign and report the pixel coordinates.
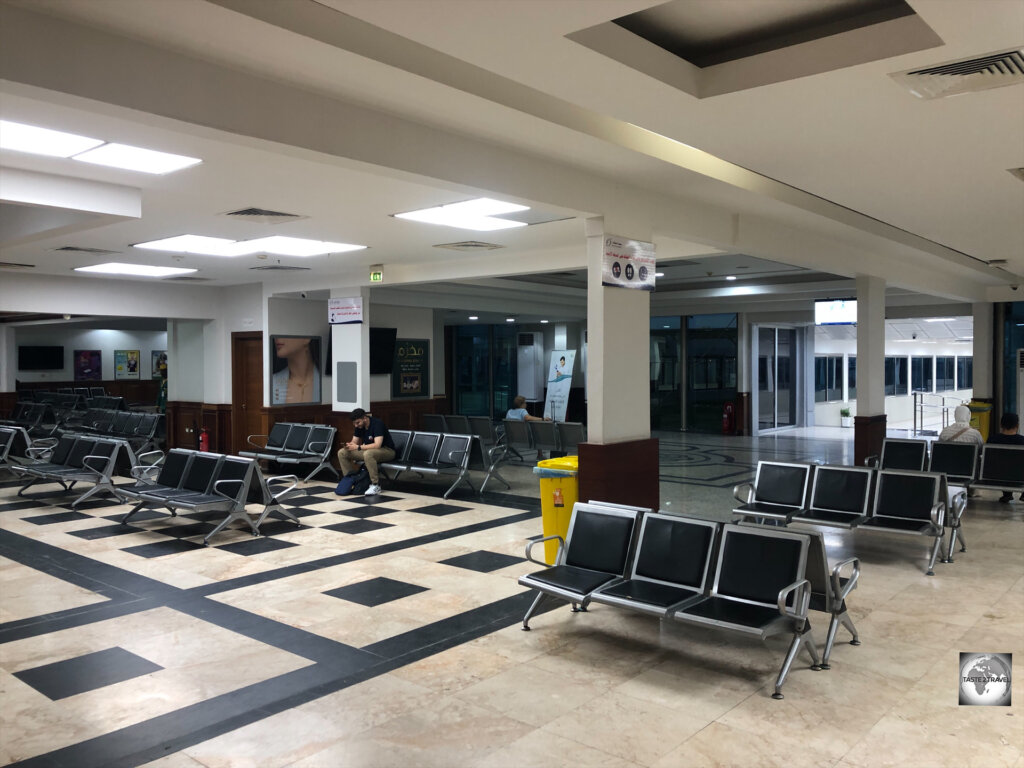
(377, 276)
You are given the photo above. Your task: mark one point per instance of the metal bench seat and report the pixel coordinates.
(840, 497)
(450, 458)
(779, 491)
(77, 458)
(911, 503)
(296, 444)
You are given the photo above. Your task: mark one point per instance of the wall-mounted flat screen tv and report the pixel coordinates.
(382, 349)
(40, 358)
(835, 312)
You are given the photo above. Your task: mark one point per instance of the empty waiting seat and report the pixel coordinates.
(778, 492)
(840, 497)
(898, 453)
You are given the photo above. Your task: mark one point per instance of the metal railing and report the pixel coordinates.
(937, 408)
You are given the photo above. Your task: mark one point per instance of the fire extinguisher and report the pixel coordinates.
(728, 419)
(204, 440)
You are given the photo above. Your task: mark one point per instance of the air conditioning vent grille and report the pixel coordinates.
(186, 279)
(980, 73)
(83, 249)
(15, 265)
(470, 245)
(264, 215)
(280, 268)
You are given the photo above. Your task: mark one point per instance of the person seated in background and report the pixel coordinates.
(961, 431)
(518, 411)
(1008, 435)
(371, 444)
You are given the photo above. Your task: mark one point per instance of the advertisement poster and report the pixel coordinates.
(345, 311)
(295, 369)
(88, 365)
(158, 368)
(126, 363)
(410, 375)
(628, 263)
(559, 383)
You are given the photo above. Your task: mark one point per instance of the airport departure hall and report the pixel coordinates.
(696, 329)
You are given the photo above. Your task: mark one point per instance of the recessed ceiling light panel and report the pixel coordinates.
(139, 159)
(134, 270)
(280, 245)
(19, 137)
(475, 214)
(199, 244)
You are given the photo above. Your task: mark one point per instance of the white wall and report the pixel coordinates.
(87, 338)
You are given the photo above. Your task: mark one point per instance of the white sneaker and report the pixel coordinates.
(373, 490)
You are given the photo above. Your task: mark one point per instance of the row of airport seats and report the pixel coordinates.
(196, 482)
(143, 430)
(289, 443)
(749, 579)
(72, 459)
(441, 454)
(518, 437)
(14, 445)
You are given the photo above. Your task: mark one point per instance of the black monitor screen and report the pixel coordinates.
(382, 349)
(40, 358)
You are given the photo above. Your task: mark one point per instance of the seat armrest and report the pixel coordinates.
(257, 445)
(959, 505)
(746, 489)
(839, 592)
(938, 514)
(558, 556)
(87, 463)
(278, 479)
(871, 461)
(322, 443)
(801, 600)
(219, 492)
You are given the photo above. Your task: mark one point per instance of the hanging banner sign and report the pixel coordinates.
(559, 383)
(345, 311)
(628, 263)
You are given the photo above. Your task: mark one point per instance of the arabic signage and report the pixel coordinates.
(410, 374)
(345, 311)
(628, 263)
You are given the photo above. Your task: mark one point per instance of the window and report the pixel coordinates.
(944, 370)
(828, 379)
(965, 373)
(921, 374)
(895, 376)
(851, 377)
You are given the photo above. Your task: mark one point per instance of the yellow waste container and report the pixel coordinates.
(981, 416)
(559, 490)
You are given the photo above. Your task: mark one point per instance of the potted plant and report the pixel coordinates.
(845, 419)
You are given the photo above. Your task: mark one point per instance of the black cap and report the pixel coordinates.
(357, 413)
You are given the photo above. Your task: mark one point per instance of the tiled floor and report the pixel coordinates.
(387, 634)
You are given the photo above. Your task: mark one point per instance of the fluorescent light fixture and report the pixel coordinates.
(136, 159)
(904, 341)
(543, 322)
(473, 317)
(666, 326)
(659, 274)
(205, 246)
(939, 319)
(135, 270)
(280, 245)
(510, 319)
(43, 141)
(475, 214)
(277, 245)
(730, 277)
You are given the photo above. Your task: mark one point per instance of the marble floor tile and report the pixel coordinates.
(719, 746)
(542, 748)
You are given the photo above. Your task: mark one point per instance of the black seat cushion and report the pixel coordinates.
(825, 516)
(898, 524)
(731, 612)
(566, 577)
(765, 509)
(649, 593)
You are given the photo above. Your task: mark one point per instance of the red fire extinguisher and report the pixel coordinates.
(728, 419)
(204, 440)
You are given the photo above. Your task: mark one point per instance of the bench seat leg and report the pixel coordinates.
(847, 622)
(493, 472)
(100, 487)
(533, 609)
(935, 553)
(320, 466)
(463, 477)
(833, 626)
(800, 637)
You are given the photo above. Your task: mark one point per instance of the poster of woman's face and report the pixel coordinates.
(295, 369)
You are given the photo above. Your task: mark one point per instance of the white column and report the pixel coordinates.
(8, 359)
(870, 346)
(351, 344)
(983, 320)
(618, 354)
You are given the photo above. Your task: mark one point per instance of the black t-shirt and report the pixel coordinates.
(376, 429)
(1000, 439)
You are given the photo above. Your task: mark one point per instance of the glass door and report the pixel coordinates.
(777, 366)
(485, 369)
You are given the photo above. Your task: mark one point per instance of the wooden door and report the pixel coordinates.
(246, 388)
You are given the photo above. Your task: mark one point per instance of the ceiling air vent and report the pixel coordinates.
(281, 268)
(264, 216)
(83, 249)
(15, 265)
(470, 245)
(993, 70)
(187, 279)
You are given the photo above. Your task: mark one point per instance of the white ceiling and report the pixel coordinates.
(543, 121)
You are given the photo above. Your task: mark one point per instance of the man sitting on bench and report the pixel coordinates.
(371, 444)
(1007, 435)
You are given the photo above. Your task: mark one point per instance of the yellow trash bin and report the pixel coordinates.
(559, 490)
(981, 416)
